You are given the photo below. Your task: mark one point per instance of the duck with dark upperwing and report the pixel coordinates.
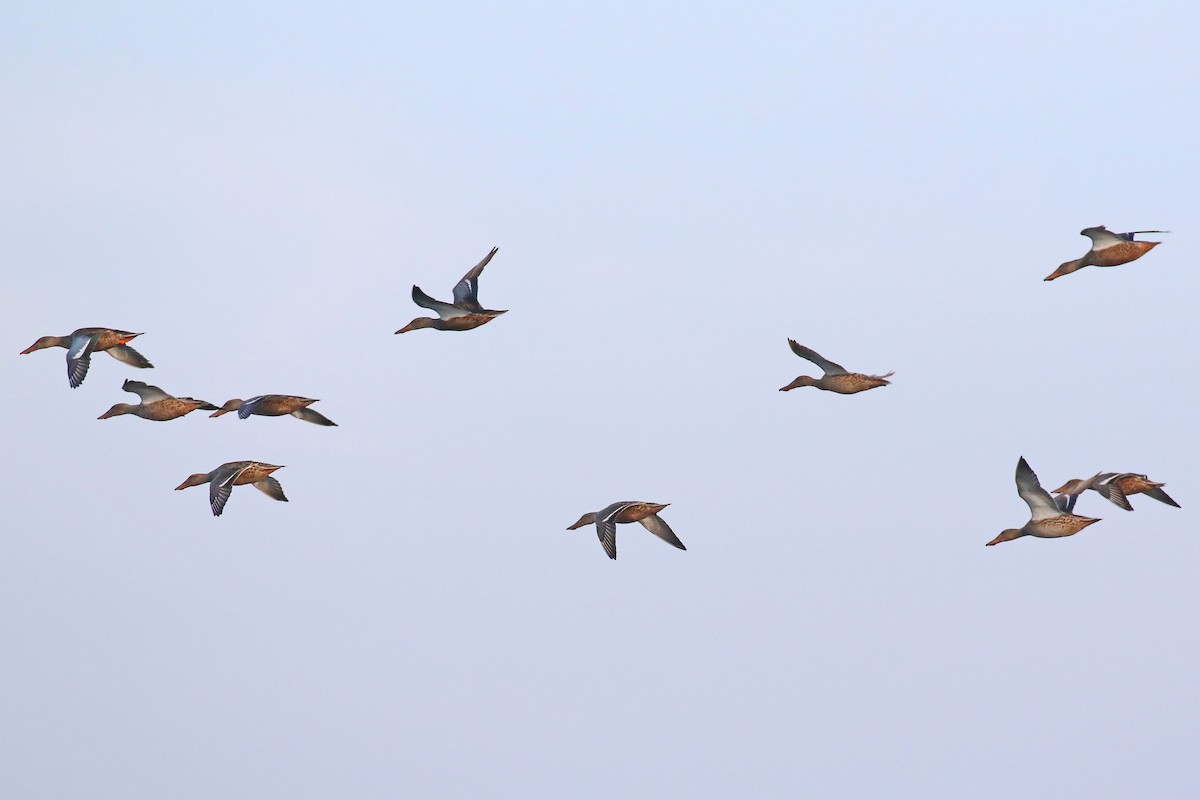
(1048, 519)
(155, 404)
(1117, 487)
(1066, 495)
(81, 343)
(236, 473)
(275, 405)
(836, 378)
(464, 313)
(1108, 250)
(628, 511)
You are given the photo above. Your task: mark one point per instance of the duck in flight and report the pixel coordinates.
(155, 404)
(464, 313)
(836, 378)
(81, 343)
(275, 405)
(236, 473)
(1048, 519)
(607, 518)
(1116, 487)
(1108, 250)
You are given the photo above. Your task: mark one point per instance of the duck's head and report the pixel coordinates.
(117, 410)
(419, 322)
(42, 343)
(194, 480)
(1007, 536)
(232, 405)
(1065, 268)
(587, 519)
(803, 380)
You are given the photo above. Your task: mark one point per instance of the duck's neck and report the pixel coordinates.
(196, 480)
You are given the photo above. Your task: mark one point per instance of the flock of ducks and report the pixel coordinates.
(1051, 516)
(1054, 517)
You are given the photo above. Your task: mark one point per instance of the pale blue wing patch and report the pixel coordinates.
(466, 291)
(1102, 237)
(249, 407)
(443, 310)
(79, 357)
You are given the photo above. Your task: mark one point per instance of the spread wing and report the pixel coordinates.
(315, 417)
(127, 355)
(1040, 503)
(443, 310)
(1102, 237)
(271, 488)
(607, 531)
(658, 526)
(1112, 493)
(79, 357)
(1129, 236)
(606, 527)
(204, 404)
(250, 406)
(825, 364)
(221, 487)
(148, 393)
(1161, 496)
(466, 291)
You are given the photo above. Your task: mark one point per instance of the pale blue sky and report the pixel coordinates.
(675, 191)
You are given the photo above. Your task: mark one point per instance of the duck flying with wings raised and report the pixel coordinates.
(464, 313)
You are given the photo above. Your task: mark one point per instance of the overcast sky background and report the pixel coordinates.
(675, 190)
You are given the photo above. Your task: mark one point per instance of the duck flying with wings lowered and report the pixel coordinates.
(606, 520)
(236, 473)
(275, 405)
(82, 342)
